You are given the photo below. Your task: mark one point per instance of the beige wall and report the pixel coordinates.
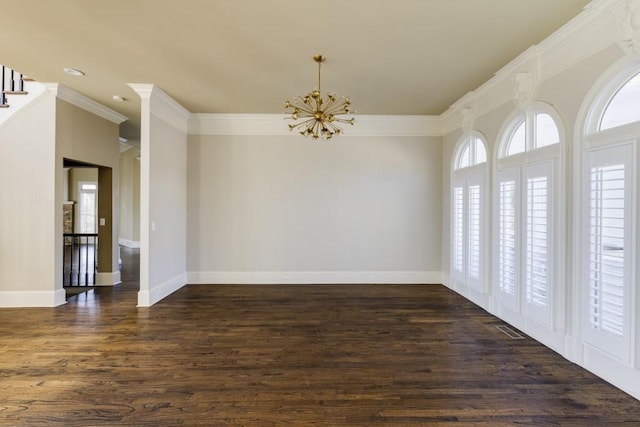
(167, 204)
(86, 137)
(28, 271)
(130, 197)
(289, 204)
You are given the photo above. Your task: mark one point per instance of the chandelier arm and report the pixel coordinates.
(350, 121)
(304, 123)
(336, 109)
(330, 104)
(305, 109)
(302, 106)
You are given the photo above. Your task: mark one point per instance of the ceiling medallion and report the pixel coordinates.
(320, 117)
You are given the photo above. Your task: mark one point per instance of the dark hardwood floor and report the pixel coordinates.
(323, 355)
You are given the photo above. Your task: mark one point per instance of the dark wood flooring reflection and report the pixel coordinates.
(352, 355)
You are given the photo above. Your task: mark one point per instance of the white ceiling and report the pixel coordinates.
(401, 57)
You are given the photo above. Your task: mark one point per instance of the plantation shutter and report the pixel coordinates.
(537, 251)
(475, 254)
(458, 230)
(508, 194)
(608, 260)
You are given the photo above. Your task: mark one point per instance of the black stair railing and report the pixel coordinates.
(79, 259)
(12, 84)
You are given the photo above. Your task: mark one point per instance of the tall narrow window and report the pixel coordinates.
(607, 259)
(507, 276)
(610, 195)
(528, 205)
(474, 232)
(467, 216)
(606, 249)
(88, 204)
(537, 241)
(458, 229)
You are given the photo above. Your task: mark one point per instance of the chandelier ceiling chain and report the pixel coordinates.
(320, 117)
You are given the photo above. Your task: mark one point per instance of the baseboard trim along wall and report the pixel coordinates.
(146, 298)
(108, 279)
(32, 298)
(313, 277)
(129, 243)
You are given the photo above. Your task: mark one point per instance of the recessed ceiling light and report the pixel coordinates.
(119, 98)
(73, 72)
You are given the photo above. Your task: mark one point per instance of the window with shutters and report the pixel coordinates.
(507, 257)
(527, 204)
(473, 234)
(610, 194)
(458, 229)
(468, 214)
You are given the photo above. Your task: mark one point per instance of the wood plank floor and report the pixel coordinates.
(323, 355)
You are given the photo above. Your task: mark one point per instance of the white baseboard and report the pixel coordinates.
(108, 279)
(609, 369)
(146, 298)
(313, 277)
(129, 243)
(32, 298)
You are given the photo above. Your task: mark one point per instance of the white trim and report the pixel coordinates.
(132, 244)
(276, 124)
(108, 279)
(161, 291)
(71, 96)
(314, 277)
(164, 106)
(16, 299)
(612, 370)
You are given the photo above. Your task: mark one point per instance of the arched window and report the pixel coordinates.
(610, 192)
(528, 188)
(623, 106)
(468, 214)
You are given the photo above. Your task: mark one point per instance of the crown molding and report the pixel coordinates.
(72, 97)
(594, 29)
(276, 124)
(162, 105)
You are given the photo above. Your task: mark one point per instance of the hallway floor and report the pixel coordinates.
(273, 355)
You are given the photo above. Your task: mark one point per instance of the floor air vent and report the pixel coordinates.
(514, 335)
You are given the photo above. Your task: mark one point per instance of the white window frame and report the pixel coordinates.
(518, 167)
(591, 142)
(466, 177)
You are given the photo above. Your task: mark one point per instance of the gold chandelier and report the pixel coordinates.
(320, 117)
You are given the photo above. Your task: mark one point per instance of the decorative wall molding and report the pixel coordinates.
(72, 97)
(629, 27)
(275, 124)
(162, 105)
(32, 298)
(133, 244)
(313, 277)
(469, 112)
